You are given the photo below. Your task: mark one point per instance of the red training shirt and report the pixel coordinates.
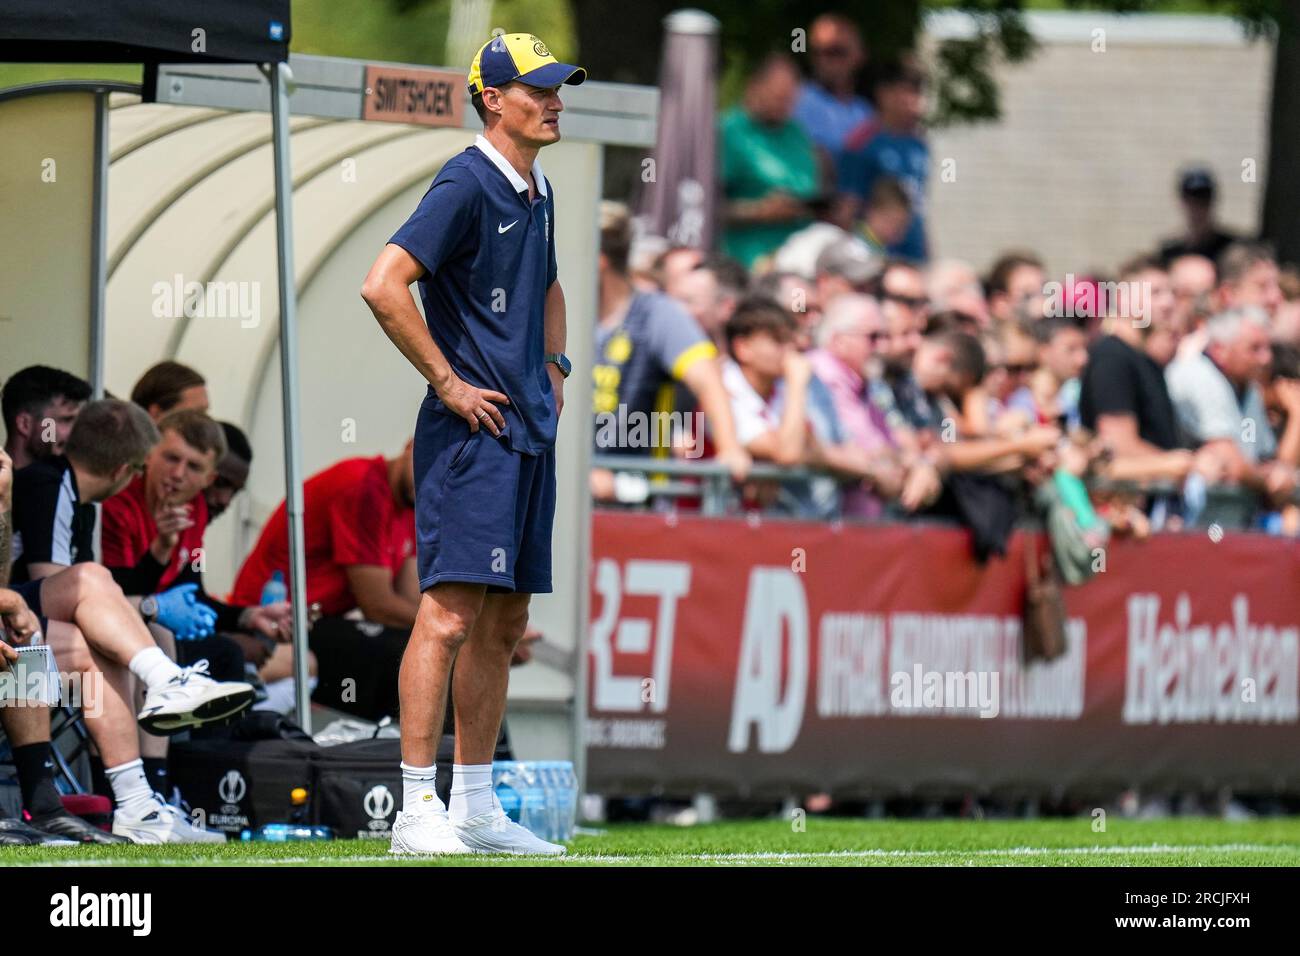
(349, 518)
(128, 529)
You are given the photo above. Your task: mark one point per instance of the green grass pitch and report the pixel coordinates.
(1184, 841)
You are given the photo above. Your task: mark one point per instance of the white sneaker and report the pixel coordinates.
(424, 834)
(192, 699)
(494, 832)
(162, 823)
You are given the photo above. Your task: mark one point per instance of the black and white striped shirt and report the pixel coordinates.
(51, 523)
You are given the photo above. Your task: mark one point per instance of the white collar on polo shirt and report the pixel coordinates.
(503, 164)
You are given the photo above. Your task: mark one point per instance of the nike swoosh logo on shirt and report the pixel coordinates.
(501, 229)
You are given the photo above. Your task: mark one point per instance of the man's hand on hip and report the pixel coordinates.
(475, 405)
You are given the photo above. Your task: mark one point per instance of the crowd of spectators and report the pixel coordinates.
(900, 385)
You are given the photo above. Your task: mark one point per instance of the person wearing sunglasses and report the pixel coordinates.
(829, 107)
(850, 337)
(905, 306)
(1050, 393)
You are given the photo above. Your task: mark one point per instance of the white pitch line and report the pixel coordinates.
(759, 857)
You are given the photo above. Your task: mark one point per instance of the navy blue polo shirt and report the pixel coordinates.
(489, 258)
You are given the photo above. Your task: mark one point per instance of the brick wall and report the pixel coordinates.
(1082, 165)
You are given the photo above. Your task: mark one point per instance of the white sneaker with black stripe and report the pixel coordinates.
(192, 699)
(160, 822)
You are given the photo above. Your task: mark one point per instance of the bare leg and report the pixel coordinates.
(86, 595)
(442, 625)
(26, 724)
(106, 692)
(280, 664)
(110, 632)
(483, 674)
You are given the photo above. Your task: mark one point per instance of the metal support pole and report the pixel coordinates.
(278, 75)
(99, 245)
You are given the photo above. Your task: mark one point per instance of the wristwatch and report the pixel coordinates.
(560, 361)
(149, 608)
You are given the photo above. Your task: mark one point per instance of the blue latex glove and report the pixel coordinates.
(181, 613)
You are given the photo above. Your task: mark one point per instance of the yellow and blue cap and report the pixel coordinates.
(522, 57)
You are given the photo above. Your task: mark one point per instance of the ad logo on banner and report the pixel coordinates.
(1196, 671)
(891, 659)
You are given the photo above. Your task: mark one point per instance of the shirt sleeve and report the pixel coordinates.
(117, 547)
(746, 407)
(822, 414)
(141, 578)
(35, 522)
(1206, 409)
(227, 614)
(552, 266)
(123, 549)
(1111, 384)
(357, 534)
(445, 223)
(676, 340)
(1265, 439)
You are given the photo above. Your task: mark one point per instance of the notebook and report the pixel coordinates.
(32, 679)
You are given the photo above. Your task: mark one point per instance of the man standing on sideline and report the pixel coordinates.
(482, 245)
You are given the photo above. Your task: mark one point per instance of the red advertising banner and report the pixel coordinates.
(774, 658)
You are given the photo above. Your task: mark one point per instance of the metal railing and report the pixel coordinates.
(709, 480)
(646, 479)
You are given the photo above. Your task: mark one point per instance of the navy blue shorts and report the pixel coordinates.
(483, 513)
(31, 593)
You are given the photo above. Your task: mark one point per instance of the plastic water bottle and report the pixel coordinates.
(532, 797)
(563, 797)
(560, 784)
(544, 798)
(287, 833)
(275, 590)
(540, 795)
(504, 783)
(567, 785)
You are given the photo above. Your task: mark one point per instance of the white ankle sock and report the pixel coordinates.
(471, 790)
(131, 790)
(418, 792)
(153, 667)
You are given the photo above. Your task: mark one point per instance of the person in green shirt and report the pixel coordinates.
(771, 173)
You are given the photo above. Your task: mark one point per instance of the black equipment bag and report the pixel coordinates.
(356, 788)
(238, 785)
